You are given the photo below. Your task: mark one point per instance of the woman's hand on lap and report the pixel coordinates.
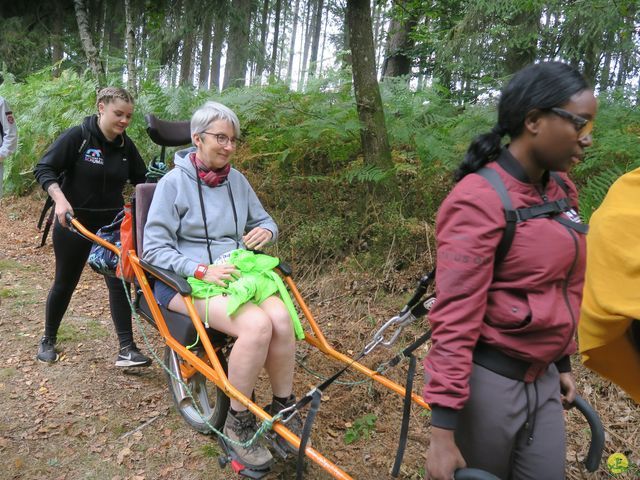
(221, 274)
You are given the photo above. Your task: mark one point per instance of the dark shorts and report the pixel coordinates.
(163, 293)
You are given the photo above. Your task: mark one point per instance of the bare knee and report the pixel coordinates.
(256, 328)
(279, 315)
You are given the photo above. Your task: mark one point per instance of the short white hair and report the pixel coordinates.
(210, 112)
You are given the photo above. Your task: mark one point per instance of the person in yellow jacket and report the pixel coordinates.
(609, 327)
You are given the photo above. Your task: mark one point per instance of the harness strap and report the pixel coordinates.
(552, 209)
(578, 227)
(547, 209)
(316, 398)
(406, 410)
(48, 203)
(490, 175)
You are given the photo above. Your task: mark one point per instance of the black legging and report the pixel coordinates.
(72, 251)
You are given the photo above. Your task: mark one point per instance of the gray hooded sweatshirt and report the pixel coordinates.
(174, 236)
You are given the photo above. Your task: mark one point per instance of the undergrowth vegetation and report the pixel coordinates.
(301, 151)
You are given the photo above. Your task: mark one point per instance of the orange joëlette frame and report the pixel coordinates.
(213, 369)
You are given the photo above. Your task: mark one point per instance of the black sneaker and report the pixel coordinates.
(47, 350)
(130, 356)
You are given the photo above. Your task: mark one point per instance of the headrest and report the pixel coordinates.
(166, 133)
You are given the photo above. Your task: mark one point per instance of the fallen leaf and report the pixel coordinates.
(125, 452)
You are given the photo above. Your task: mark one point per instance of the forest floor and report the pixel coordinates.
(83, 418)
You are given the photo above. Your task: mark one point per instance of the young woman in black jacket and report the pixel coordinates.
(84, 171)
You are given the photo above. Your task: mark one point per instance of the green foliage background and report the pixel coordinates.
(301, 152)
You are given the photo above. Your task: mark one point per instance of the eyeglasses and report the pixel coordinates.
(583, 126)
(223, 139)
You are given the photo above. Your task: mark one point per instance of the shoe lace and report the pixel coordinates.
(246, 429)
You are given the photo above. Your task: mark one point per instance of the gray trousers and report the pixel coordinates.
(500, 431)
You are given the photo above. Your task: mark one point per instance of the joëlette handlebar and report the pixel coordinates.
(80, 229)
(596, 447)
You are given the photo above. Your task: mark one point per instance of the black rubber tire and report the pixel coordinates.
(211, 400)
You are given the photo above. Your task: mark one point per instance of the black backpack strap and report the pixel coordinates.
(559, 180)
(48, 203)
(510, 215)
(546, 209)
(578, 227)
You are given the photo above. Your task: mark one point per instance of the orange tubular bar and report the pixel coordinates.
(320, 342)
(78, 226)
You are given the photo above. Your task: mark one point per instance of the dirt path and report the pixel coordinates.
(82, 418)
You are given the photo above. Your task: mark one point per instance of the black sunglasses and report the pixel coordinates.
(583, 126)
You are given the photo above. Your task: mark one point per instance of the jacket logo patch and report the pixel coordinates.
(94, 155)
(10, 118)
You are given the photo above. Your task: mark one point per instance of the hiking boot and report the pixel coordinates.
(47, 350)
(294, 423)
(241, 428)
(130, 356)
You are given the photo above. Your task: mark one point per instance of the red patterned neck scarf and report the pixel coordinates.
(212, 178)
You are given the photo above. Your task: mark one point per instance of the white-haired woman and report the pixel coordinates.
(201, 212)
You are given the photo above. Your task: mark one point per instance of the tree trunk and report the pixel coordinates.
(205, 64)
(293, 42)
(317, 26)
(87, 43)
(186, 64)
(606, 64)
(324, 37)
(131, 48)
(527, 22)
(397, 61)
(274, 50)
(373, 132)
(57, 48)
(262, 53)
(219, 34)
(307, 42)
(238, 44)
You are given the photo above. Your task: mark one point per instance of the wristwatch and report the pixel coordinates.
(201, 271)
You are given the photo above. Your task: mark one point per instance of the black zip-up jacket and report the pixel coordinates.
(94, 175)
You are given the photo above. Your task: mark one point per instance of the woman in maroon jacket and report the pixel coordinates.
(498, 372)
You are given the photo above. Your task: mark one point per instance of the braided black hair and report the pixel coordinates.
(537, 86)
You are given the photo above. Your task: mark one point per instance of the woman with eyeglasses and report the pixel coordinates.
(510, 271)
(203, 217)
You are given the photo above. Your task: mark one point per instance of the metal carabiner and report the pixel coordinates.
(399, 321)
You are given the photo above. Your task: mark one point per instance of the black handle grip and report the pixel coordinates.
(473, 474)
(68, 217)
(594, 457)
(423, 284)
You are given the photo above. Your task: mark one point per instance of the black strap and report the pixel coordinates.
(316, 398)
(560, 181)
(235, 214)
(204, 215)
(547, 209)
(510, 214)
(406, 410)
(47, 227)
(48, 203)
(552, 209)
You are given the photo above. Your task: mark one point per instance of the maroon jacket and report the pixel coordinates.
(527, 306)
